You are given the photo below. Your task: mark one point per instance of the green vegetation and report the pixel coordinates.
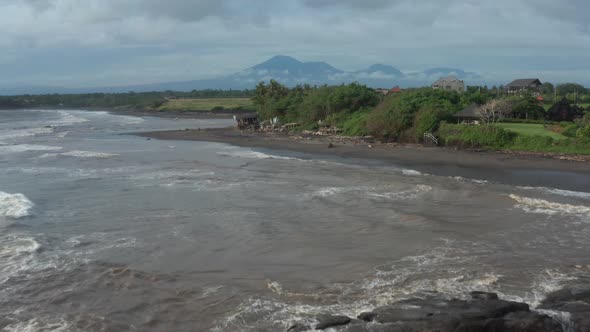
(357, 110)
(498, 138)
(529, 129)
(144, 100)
(207, 104)
(314, 106)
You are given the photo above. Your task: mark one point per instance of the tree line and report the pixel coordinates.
(108, 100)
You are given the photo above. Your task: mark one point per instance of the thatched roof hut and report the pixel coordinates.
(563, 110)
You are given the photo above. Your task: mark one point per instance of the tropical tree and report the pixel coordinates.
(494, 111)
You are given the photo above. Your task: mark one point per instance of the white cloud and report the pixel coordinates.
(212, 37)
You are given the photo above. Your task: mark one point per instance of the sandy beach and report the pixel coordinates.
(514, 168)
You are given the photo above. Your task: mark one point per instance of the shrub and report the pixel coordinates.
(355, 124)
(427, 120)
(531, 143)
(583, 133)
(475, 136)
(218, 109)
(570, 130)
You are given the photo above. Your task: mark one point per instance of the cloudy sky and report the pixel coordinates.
(118, 42)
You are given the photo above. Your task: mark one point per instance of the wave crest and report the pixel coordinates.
(14, 206)
(535, 205)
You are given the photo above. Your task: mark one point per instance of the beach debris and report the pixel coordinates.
(330, 145)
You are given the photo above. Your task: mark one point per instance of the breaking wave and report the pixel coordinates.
(80, 154)
(254, 155)
(409, 276)
(66, 119)
(17, 253)
(40, 324)
(14, 206)
(411, 172)
(535, 205)
(27, 147)
(462, 179)
(17, 133)
(406, 194)
(330, 191)
(560, 192)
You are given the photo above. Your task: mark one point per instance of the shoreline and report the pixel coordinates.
(139, 112)
(504, 167)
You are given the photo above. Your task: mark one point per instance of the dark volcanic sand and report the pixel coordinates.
(517, 169)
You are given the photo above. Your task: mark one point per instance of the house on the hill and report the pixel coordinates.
(563, 110)
(470, 115)
(449, 83)
(532, 85)
(386, 92)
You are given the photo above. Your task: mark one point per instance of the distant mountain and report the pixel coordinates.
(384, 70)
(437, 73)
(284, 69)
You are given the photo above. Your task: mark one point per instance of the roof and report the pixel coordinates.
(396, 89)
(446, 80)
(471, 111)
(246, 116)
(524, 82)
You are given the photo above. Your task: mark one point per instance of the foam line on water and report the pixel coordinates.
(559, 192)
(80, 154)
(28, 132)
(249, 154)
(541, 206)
(27, 147)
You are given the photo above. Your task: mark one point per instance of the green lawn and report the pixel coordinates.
(207, 104)
(530, 129)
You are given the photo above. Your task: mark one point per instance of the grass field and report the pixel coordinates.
(529, 129)
(207, 104)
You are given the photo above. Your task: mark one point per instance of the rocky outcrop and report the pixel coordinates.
(574, 301)
(483, 312)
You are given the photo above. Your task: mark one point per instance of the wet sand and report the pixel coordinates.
(511, 168)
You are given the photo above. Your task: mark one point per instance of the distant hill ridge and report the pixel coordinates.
(285, 69)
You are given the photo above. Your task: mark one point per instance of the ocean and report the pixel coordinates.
(103, 230)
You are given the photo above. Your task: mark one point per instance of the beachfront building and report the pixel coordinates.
(530, 85)
(563, 110)
(449, 83)
(247, 121)
(470, 115)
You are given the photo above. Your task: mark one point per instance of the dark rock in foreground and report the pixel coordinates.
(327, 321)
(484, 312)
(575, 301)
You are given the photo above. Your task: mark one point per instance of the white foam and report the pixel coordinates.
(411, 172)
(17, 133)
(560, 192)
(17, 254)
(27, 147)
(80, 154)
(39, 325)
(253, 155)
(329, 191)
(17, 245)
(402, 279)
(535, 205)
(462, 179)
(66, 119)
(14, 205)
(406, 194)
(128, 120)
